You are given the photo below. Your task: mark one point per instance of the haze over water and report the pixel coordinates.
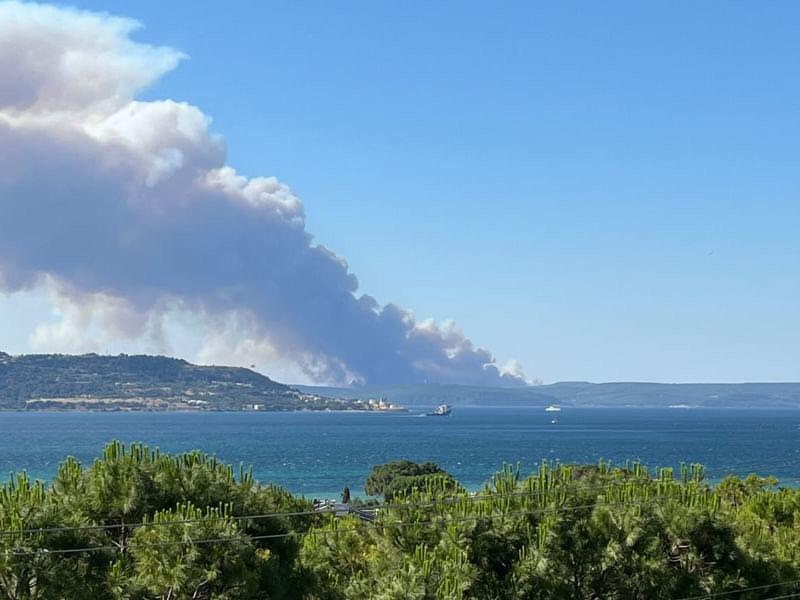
(318, 453)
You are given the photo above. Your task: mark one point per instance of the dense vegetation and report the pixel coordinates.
(125, 382)
(137, 524)
(402, 477)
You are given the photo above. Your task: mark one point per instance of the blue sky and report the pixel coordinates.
(603, 192)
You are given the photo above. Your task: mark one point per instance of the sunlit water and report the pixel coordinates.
(318, 453)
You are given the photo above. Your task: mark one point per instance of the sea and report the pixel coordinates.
(316, 454)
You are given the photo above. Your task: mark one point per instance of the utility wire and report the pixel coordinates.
(322, 511)
(325, 532)
(741, 590)
(391, 524)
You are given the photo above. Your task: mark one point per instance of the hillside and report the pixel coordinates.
(640, 395)
(90, 381)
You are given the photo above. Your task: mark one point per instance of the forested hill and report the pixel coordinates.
(619, 394)
(98, 382)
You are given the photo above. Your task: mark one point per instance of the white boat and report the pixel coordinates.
(443, 410)
(553, 408)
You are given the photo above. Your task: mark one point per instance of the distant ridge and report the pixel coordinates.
(143, 382)
(709, 395)
(581, 393)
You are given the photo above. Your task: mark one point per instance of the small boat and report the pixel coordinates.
(552, 408)
(554, 421)
(443, 410)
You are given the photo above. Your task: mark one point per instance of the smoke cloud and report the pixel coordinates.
(126, 210)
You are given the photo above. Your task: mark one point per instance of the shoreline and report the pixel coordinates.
(412, 411)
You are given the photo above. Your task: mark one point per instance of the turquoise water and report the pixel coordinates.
(318, 453)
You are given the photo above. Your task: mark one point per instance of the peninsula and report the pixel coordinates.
(124, 382)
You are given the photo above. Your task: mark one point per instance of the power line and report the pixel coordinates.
(741, 590)
(325, 532)
(243, 538)
(384, 506)
(444, 520)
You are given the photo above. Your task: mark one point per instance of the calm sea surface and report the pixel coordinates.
(318, 453)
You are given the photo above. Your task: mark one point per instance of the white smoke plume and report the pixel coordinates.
(127, 210)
